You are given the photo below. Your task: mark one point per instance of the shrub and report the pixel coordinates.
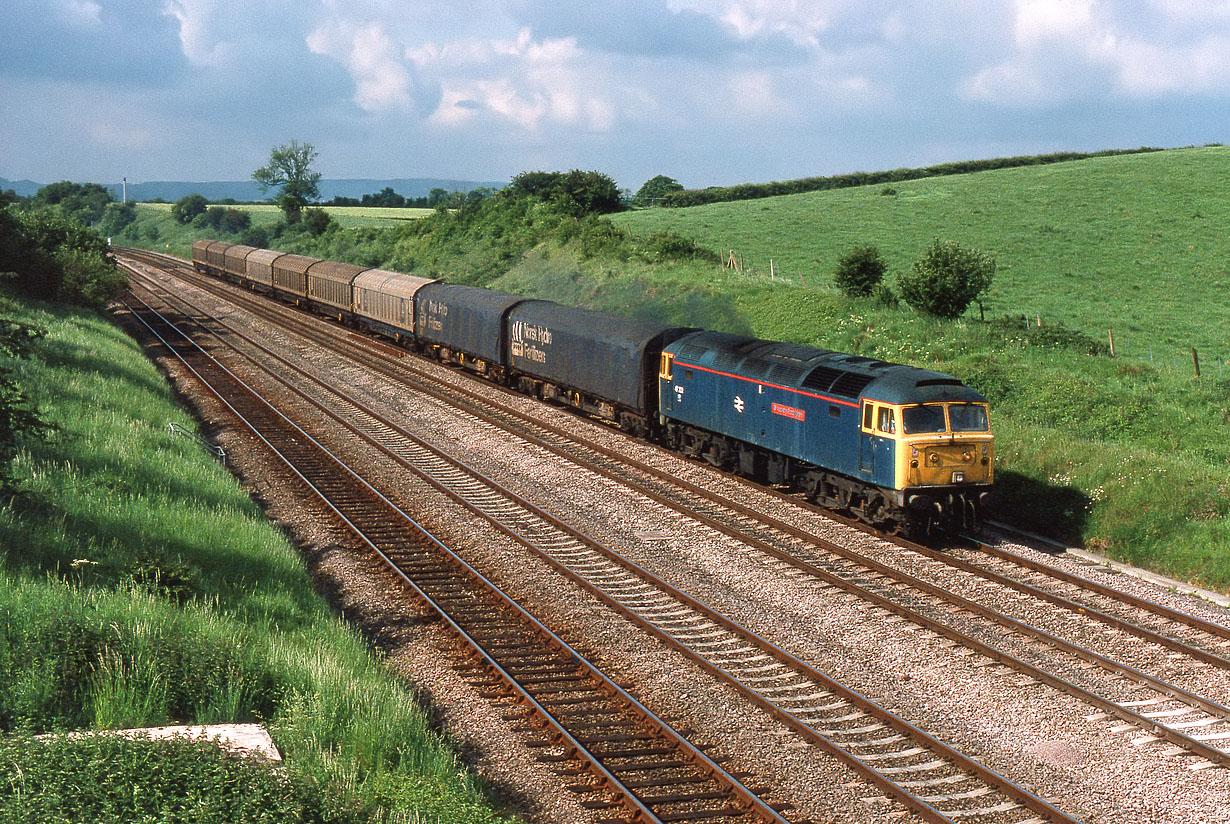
(89, 279)
(883, 295)
(112, 779)
(316, 220)
(946, 279)
(188, 207)
(116, 217)
(257, 236)
(234, 221)
(57, 257)
(859, 271)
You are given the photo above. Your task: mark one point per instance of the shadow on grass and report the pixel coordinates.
(1056, 512)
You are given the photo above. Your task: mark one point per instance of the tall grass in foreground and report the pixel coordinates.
(140, 586)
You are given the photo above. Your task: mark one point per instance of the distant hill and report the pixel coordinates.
(23, 188)
(246, 190)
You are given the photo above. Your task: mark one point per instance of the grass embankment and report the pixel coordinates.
(140, 586)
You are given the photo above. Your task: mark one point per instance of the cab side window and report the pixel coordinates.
(886, 423)
(868, 411)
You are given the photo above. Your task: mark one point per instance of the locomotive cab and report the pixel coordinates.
(941, 455)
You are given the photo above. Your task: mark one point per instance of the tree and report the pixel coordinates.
(188, 207)
(654, 189)
(946, 279)
(859, 271)
(116, 217)
(290, 168)
(576, 192)
(386, 197)
(83, 202)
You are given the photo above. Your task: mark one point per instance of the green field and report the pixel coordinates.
(346, 216)
(139, 585)
(1137, 244)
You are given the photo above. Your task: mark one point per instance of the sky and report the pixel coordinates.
(709, 92)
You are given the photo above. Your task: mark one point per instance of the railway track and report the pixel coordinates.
(641, 770)
(1192, 722)
(931, 778)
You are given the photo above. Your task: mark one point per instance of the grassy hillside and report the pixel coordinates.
(140, 586)
(1137, 243)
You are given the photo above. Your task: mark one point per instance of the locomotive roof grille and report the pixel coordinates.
(939, 382)
(851, 384)
(756, 368)
(691, 352)
(821, 378)
(787, 373)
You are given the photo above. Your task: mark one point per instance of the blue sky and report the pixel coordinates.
(707, 91)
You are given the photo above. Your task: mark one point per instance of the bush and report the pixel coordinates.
(59, 258)
(234, 221)
(89, 279)
(186, 209)
(576, 192)
(859, 271)
(18, 418)
(317, 220)
(117, 217)
(257, 236)
(946, 279)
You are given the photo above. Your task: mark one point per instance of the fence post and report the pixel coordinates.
(1110, 333)
(1196, 361)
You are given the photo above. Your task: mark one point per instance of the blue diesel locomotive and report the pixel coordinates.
(903, 449)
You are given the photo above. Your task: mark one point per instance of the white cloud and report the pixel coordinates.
(382, 79)
(1039, 21)
(520, 81)
(1066, 50)
(1151, 70)
(197, 35)
(81, 13)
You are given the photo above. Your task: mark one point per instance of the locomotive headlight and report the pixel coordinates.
(933, 459)
(958, 477)
(967, 456)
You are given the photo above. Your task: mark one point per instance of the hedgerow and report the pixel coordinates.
(751, 191)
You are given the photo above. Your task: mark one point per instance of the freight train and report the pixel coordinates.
(903, 449)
